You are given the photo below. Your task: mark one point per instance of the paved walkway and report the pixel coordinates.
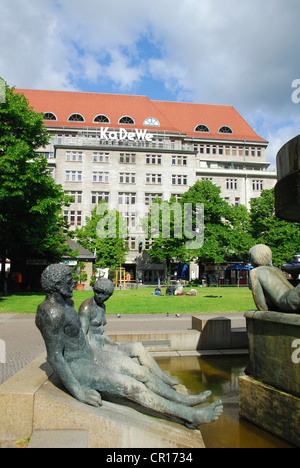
(24, 342)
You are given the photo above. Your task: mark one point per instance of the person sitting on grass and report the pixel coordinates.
(178, 289)
(157, 292)
(192, 292)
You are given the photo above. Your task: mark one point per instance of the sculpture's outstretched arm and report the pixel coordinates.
(257, 292)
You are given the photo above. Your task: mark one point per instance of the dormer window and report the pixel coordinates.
(225, 129)
(202, 129)
(49, 116)
(101, 119)
(76, 118)
(126, 120)
(151, 122)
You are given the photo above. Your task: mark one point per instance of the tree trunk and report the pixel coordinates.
(3, 284)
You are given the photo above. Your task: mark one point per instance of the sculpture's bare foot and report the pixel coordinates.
(168, 380)
(206, 415)
(89, 396)
(198, 399)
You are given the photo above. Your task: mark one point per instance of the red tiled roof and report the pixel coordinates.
(174, 117)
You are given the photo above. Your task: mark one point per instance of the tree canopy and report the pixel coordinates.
(283, 237)
(31, 222)
(226, 229)
(105, 233)
(229, 231)
(224, 236)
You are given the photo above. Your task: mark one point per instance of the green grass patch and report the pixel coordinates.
(141, 301)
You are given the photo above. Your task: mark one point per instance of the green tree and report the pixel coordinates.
(283, 237)
(105, 233)
(164, 227)
(225, 226)
(30, 203)
(241, 239)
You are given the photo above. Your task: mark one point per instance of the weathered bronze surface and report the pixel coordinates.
(88, 376)
(270, 288)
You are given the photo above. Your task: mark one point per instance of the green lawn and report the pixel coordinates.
(141, 301)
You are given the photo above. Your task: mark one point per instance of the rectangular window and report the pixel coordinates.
(127, 178)
(100, 157)
(74, 156)
(153, 159)
(130, 219)
(127, 158)
(231, 184)
(132, 243)
(153, 178)
(149, 197)
(257, 185)
(179, 160)
(73, 218)
(127, 198)
(76, 196)
(101, 177)
(179, 179)
(73, 176)
(177, 196)
(97, 197)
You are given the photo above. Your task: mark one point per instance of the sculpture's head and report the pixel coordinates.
(103, 289)
(261, 255)
(58, 278)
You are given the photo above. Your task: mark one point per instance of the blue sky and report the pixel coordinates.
(240, 53)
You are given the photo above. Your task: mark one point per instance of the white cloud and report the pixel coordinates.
(118, 70)
(33, 52)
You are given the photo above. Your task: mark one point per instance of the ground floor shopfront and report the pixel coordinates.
(208, 274)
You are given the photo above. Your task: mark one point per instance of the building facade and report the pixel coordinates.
(129, 150)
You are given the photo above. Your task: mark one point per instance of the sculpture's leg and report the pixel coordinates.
(161, 388)
(126, 366)
(111, 383)
(137, 350)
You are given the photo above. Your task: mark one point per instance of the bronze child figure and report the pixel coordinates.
(93, 321)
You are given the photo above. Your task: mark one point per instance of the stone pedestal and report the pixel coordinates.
(34, 402)
(271, 409)
(217, 333)
(270, 395)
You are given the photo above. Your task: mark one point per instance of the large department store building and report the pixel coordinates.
(128, 150)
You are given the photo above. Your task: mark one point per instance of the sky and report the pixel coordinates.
(240, 53)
